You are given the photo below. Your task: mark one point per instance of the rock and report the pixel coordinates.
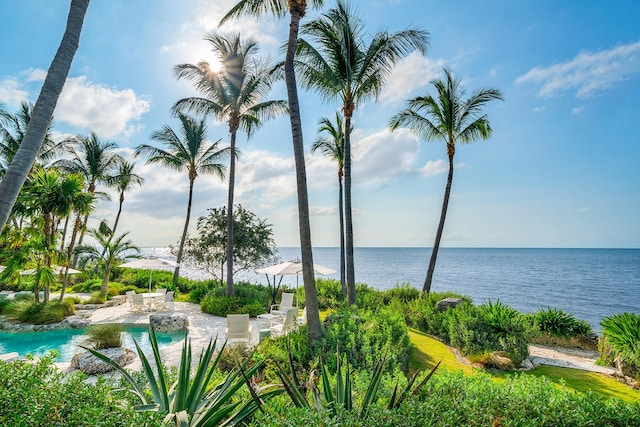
(116, 300)
(526, 364)
(90, 364)
(77, 321)
(447, 303)
(168, 322)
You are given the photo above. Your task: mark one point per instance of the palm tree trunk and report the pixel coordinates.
(82, 231)
(64, 232)
(348, 218)
(232, 179)
(42, 111)
(443, 215)
(70, 248)
(343, 283)
(115, 224)
(176, 272)
(310, 292)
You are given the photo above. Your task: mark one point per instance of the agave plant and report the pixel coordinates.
(192, 401)
(339, 394)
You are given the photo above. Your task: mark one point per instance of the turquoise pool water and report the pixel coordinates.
(66, 341)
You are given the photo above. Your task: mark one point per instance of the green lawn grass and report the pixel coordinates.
(427, 351)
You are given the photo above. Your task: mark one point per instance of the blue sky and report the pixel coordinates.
(561, 169)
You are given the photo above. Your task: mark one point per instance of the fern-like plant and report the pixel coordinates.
(621, 333)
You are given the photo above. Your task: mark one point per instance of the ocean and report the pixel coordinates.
(590, 283)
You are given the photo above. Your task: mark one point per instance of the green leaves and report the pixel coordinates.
(622, 333)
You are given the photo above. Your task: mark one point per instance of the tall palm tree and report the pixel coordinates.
(123, 180)
(453, 119)
(96, 161)
(337, 63)
(42, 111)
(330, 141)
(297, 9)
(187, 151)
(234, 94)
(109, 251)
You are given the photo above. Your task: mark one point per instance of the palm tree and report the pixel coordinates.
(330, 141)
(109, 252)
(453, 119)
(42, 111)
(233, 94)
(297, 9)
(123, 180)
(13, 128)
(189, 151)
(340, 66)
(95, 160)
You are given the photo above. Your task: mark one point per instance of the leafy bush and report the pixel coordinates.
(490, 327)
(620, 339)
(553, 326)
(364, 336)
(96, 298)
(274, 350)
(219, 306)
(452, 399)
(329, 293)
(28, 311)
(104, 336)
(39, 394)
(197, 293)
(248, 298)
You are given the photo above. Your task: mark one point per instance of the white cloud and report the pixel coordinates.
(12, 93)
(323, 210)
(577, 110)
(588, 72)
(539, 109)
(34, 75)
(432, 168)
(106, 111)
(413, 72)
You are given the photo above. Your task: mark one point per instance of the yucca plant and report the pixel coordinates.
(191, 401)
(621, 333)
(559, 323)
(339, 394)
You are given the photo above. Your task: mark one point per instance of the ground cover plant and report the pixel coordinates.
(553, 326)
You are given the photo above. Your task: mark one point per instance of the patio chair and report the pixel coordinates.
(137, 303)
(129, 298)
(302, 320)
(286, 302)
(168, 300)
(288, 324)
(238, 328)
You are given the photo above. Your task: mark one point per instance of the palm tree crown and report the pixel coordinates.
(451, 118)
(235, 95)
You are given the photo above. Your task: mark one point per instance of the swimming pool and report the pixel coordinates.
(66, 341)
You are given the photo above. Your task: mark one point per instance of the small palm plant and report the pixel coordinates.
(621, 340)
(191, 400)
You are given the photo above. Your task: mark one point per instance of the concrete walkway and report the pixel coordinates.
(568, 358)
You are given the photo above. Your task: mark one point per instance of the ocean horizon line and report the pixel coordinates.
(448, 247)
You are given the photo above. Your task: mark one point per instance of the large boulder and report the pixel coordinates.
(168, 322)
(91, 365)
(447, 303)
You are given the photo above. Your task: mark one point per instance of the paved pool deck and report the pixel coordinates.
(203, 327)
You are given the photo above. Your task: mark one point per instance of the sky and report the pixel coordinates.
(560, 169)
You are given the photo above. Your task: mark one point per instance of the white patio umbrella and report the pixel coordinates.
(290, 268)
(150, 264)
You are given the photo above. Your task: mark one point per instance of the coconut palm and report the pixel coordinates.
(123, 180)
(188, 150)
(297, 9)
(235, 94)
(336, 62)
(330, 141)
(453, 119)
(96, 161)
(42, 111)
(13, 128)
(110, 250)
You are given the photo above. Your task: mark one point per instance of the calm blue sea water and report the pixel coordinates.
(591, 283)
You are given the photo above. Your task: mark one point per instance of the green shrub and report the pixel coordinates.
(3, 303)
(39, 394)
(219, 306)
(620, 339)
(329, 293)
(197, 293)
(96, 298)
(490, 327)
(104, 336)
(274, 350)
(559, 323)
(253, 309)
(38, 313)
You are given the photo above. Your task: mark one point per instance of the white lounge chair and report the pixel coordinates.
(288, 324)
(168, 300)
(238, 328)
(130, 299)
(286, 303)
(302, 320)
(137, 303)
